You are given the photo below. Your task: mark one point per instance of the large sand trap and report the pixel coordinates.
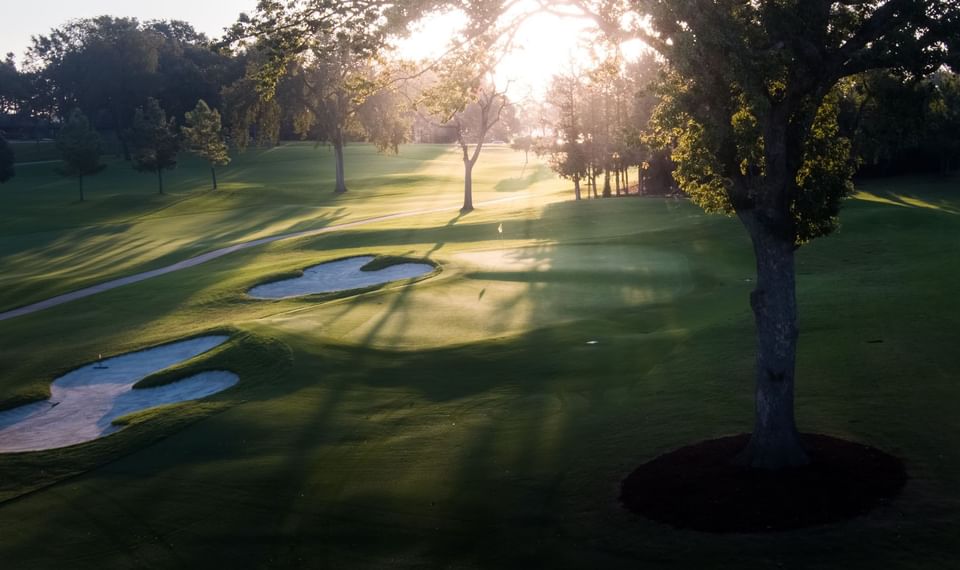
(83, 403)
(341, 275)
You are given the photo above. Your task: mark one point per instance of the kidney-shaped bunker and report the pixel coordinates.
(341, 275)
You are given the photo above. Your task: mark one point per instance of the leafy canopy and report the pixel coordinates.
(154, 138)
(203, 134)
(80, 147)
(749, 100)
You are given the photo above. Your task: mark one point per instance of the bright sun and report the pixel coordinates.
(544, 46)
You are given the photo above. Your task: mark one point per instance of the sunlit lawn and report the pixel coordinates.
(50, 243)
(483, 417)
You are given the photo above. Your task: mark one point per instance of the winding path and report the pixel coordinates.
(217, 253)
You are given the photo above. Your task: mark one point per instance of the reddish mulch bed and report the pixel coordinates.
(700, 488)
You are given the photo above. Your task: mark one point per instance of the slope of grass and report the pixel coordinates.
(485, 416)
(50, 243)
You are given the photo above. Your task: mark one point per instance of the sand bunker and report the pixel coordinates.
(83, 403)
(341, 275)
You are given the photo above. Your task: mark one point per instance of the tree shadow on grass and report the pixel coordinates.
(538, 174)
(501, 452)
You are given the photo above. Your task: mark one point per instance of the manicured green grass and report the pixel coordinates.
(465, 421)
(50, 243)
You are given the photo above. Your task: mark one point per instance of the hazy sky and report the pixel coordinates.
(545, 45)
(24, 18)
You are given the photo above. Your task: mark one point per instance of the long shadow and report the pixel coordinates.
(495, 451)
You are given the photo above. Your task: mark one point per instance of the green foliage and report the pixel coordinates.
(383, 120)
(6, 160)
(254, 120)
(745, 104)
(824, 179)
(107, 66)
(154, 139)
(203, 134)
(80, 147)
(903, 124)
(698, 172)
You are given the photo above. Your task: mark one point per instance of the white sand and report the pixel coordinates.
(84, 402)
(341, 275)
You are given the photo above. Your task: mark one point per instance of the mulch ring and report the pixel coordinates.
(699, 487)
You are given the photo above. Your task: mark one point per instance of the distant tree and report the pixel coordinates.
(568, 157)
(107, 66)
(524, 144)
(252, 117)
(6, 160)
(471, 108)
(203, 134)
(154, 140)
(386, 120)
(15, 88)
(943, 119)
(331, 47)
(80, 149)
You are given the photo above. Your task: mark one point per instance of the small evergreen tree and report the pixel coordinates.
(154, 139)
(80, 148)
(203, 134)
(6, 160)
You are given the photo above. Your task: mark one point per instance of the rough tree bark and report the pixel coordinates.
(775, 442)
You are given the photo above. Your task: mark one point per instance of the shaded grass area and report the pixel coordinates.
(486, 417)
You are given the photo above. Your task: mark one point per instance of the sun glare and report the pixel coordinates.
(544, 46)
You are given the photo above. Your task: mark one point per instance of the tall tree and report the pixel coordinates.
(80, 149)
(752, 105)
(331, 46)
(15, 88)
(203, 134)
(154, 140)
(567, 155)
(6, 160)
(108, 66)
(104, 66)
(471, 107)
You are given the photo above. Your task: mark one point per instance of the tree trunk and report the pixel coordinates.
(160, 179)
(467, 187)
(80, 180)
(213, 173)
(775, 443)
(576, 187)
(606, 184)
(341, 186)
